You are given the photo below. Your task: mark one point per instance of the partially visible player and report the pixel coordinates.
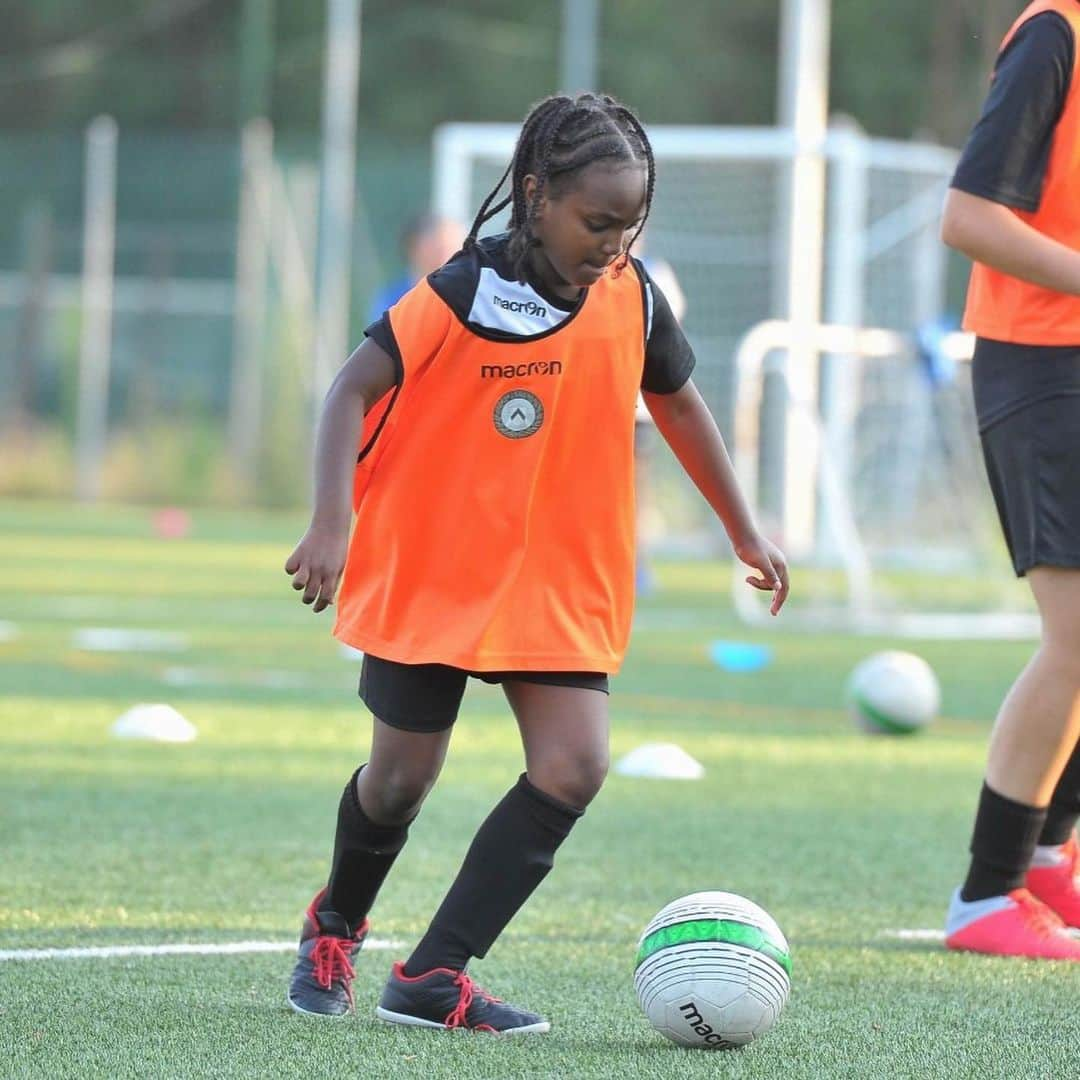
(1014, 208)
(494, 411)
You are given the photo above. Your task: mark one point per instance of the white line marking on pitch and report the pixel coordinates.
(939, 935)
(107, 952)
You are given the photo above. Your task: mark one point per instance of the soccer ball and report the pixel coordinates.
(893, 693)
(713, 971)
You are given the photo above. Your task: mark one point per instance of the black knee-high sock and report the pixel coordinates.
(1002, 845)
(1064, 810)
(510, 855)
(363, 854)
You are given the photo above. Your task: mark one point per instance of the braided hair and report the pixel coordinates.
(560, 136)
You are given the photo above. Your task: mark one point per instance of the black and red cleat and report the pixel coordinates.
(447, 999)
(321, 983)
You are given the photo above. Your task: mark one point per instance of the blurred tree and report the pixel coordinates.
(897, 68)
(713, 64)
(956, 84)
(159, 63)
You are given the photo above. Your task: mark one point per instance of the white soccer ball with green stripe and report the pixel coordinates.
(713, 971)
(893, 693)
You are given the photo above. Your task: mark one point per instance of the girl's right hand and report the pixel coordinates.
(317, 563)
(765, 557)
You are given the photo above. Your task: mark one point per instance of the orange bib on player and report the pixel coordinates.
(495, 525)
(1005, 308)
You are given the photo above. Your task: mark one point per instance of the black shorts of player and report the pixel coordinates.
(427, 697)
(1033, 462)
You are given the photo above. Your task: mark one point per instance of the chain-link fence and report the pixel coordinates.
(208, 394)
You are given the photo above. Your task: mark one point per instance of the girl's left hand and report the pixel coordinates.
(765, 557)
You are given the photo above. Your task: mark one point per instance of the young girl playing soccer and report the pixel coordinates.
(1014, 208)
(494, 538)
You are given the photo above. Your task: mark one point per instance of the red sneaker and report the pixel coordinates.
(1012, 925)
(1057, 886)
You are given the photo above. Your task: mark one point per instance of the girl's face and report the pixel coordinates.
(584, 229)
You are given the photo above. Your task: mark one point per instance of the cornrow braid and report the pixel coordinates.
(560, 137)
(537, 116)
(634, 125)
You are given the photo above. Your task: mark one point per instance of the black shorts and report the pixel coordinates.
(1033, 461)
(427, 697)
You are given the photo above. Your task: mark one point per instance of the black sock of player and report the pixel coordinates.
(363, 854)
(510, 855)
(1002, 845)
(1064, 810)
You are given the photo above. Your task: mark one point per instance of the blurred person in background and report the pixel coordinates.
(1014, 208)
(427, 241)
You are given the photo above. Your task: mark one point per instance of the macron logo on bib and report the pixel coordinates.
(511, 307)
(529, 307)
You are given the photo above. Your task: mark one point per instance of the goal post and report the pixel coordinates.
(919, 559)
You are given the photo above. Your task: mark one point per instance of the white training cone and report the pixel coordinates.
(660, 761)
(118, 639)
(158, 723)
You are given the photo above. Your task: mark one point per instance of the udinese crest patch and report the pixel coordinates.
(518, 414)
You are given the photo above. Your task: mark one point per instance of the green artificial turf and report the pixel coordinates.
(841, 837)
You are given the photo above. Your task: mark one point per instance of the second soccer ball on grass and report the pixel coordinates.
(893, 693)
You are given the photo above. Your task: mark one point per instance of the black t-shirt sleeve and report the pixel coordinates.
(382, 333)
(455, 282)
(669, 360)
(1006, 155)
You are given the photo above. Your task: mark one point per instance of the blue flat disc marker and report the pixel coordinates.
(740, 655)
